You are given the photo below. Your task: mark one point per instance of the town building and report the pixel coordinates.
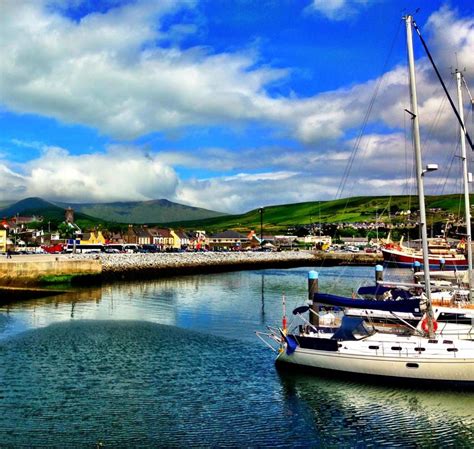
(226, 240)
(93, 238)
(3, 240)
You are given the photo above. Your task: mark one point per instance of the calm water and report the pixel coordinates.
(175, 363)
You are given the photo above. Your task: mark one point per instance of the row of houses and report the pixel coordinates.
(162, 239)
(14, 233)
(165, 239)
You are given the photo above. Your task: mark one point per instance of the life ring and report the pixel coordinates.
(424, 325)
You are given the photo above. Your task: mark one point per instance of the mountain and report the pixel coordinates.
(33, 206)
(49, 212)
(155, 211)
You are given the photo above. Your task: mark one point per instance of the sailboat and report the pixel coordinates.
(356, 348)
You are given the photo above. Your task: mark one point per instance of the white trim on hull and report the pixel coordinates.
(437, 366)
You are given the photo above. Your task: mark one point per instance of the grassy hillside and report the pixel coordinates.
(356, 209)
(156, 211)
(275, 218)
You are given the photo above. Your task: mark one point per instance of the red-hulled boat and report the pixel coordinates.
(441, 255)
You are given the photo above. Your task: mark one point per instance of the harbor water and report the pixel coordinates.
(176, 363)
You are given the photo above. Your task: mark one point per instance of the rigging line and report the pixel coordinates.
(468, 137)
(450, 160)
(365, 120)
(437, 118)
(443, 187)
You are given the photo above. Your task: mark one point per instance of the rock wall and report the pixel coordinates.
(26, 272)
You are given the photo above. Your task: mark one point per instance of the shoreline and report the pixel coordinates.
(90, 269)
(152, 265)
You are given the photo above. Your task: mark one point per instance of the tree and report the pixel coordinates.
(302, 232)
(66, 230)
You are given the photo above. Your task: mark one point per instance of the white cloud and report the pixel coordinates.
(129, 173)
(255, 177)
(336, 9)
(108, 71)
(237, 194)
(35, 145)
(452, 39)
(13, 184)
(121, 173)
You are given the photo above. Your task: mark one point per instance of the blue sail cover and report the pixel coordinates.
(411, 305)
(348, 326)
(380, 290)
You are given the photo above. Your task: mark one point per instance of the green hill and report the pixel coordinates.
(356, 209)
(275, 218)
(156, 211)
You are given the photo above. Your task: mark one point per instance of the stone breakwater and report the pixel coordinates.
(36, 269)
(148, 265)
(167, 264)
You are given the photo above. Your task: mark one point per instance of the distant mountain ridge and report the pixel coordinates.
(154, 211)
(140, 212)
(40, 207)
(278, 217)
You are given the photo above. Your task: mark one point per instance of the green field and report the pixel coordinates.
(275, 218)
(356, 209)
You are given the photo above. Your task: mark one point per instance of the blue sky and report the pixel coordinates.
(227, 105)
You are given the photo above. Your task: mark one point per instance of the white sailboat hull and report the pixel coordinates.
(436, 366)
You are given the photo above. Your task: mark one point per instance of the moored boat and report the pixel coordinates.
(356, 348)
(404, 257)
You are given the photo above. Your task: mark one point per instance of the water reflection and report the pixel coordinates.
(231, 305)
(380, 415)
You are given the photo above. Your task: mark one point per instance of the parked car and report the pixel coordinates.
(352, 249)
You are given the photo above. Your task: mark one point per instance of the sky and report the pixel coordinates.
(228, 105)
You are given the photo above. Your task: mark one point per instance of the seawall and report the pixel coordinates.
(32, 270)
(133, 266)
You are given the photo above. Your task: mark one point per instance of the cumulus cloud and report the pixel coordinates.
(109, 71)
(13, 184)
(241, 193)
(120, 173)
(383, 165)
(452, 39)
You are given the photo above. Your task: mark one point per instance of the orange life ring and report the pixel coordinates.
(424, 325)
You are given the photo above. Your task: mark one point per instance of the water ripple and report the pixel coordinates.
(174, 363)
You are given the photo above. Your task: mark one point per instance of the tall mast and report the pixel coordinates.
(419, 169)
(467, 205)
